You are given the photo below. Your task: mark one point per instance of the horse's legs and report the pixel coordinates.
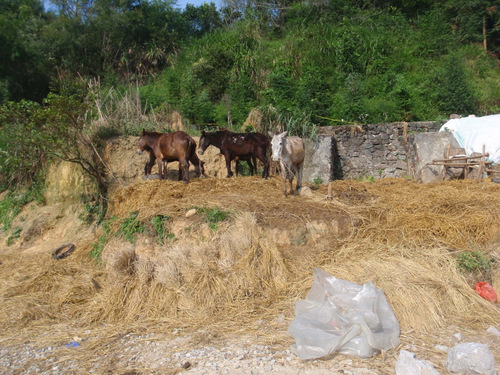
(202, 168)
(198, 165)
(284, 174)
(291, 173)
(165, 163)
(228, 165)
(253, 165)
(159, 162)
(184, 170)
(300, 169)
(149, 164)
(262, 157)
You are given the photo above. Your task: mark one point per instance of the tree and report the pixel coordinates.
(455, 93)
(23, 67)
(67, 132)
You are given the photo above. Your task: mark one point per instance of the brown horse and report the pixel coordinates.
(165, 147)
(193, 158)
(237, 146)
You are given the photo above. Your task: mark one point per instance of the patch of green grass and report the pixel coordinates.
(213, 216)
(317, 180)
(130, 227)
(98, 247)
(474, 262)
(161, 233)
(16, 233)
(369, 179)
(92, 212)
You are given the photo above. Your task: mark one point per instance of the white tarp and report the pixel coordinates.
(474, 132)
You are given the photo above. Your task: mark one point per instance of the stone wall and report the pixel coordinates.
(358, 151)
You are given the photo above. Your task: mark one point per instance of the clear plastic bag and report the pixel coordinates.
(471, 358)
(408, 364)
(338, 315)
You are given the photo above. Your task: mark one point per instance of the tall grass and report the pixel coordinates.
(121, 112)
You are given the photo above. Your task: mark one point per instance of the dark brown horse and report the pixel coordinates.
(240, 146)
(168, 147)
(251, 161)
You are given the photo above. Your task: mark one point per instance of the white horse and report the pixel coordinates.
(290, 152)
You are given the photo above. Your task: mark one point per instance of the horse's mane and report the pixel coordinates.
(152, 133)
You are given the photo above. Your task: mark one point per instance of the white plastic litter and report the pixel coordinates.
(408, 364)
(493, 331)
(471, 358)
(338, 315)
(442, 348)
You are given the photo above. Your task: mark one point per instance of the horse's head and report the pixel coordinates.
(204, 142)
(143, 144)
(277, 145)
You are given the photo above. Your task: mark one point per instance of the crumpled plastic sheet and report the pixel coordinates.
(471, 358)
(338, 315)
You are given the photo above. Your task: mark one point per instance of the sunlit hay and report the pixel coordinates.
(457, 216)
(401, 233)
(38, 289)
(205, 281)
(168, 269)
(233, 242)
(120, 257)
(423, 285)
(145, 269)
(261, 271)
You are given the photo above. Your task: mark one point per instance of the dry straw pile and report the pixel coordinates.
(402, 235)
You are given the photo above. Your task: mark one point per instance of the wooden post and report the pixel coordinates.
(446, 156)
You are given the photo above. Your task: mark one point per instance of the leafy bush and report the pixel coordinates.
(12, 204)
(455, 94)
(22, 156)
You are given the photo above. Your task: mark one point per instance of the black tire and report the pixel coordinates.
(63, 251)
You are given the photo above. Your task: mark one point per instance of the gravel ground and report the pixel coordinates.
(199, 353)
(158, 354)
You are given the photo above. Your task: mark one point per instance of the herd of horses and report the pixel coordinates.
(180, 146)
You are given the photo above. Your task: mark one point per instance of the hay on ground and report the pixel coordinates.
(399, 237)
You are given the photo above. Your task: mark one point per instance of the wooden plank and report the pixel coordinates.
(459, 165)
(462, 158)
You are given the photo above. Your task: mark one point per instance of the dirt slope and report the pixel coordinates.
(221, 297)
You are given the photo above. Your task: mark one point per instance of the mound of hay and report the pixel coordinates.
(175, 120)
(399, 237)
(253, 121)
